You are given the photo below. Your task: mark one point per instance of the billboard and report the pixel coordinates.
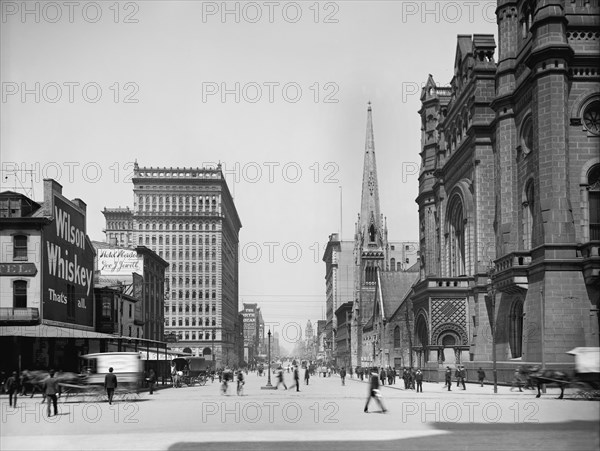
(119, 262)
(68, 270)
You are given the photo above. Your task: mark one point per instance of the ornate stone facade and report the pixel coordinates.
(508, 200)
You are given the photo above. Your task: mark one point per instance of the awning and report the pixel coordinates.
(48, 331)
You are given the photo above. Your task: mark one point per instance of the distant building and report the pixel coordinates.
(119, 226)
(339, 286)
(187, 216)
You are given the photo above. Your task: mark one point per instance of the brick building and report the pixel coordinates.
(509, 192)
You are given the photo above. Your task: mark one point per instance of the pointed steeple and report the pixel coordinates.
(370, 224)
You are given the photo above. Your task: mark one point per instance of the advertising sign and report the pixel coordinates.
(68, 268)
(119, 262)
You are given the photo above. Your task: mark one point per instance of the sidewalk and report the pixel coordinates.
(473, 388)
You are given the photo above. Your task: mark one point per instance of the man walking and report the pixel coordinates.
(296, 378)
(448, 377)
(419, 380)
(480, 375)
(110, 384)
(343, 375)
(50, 391)
(462, 375)
(280, 379)
(374, 392)
(306, 375)
(11, 386)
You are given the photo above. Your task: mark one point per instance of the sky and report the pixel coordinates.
(276, 92)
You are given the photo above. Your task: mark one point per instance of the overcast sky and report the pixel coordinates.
(275, 91)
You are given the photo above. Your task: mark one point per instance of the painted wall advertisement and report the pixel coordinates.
(68, 276)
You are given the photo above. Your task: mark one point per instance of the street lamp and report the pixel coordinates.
(493, 326)
(268, 386)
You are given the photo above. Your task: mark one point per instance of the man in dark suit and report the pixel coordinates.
(110, 383)
(419, 380)
(51, 389)
(374, 392)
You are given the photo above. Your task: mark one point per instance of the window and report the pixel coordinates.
(528, 204)
(20, 294)
(594, 202)
(457, 238)
(515, 326)
(397, 337)
(591, 117)
(106, 307)
(20, 247)
(130, 310)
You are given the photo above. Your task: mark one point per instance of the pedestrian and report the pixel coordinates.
(306, 376)
(394, 374)
(110, 384)
(480, 375)
(405, 378)
(280, 378)
(374, 392)
(411, 378)
(343, 375)
(51, 389)
(517, 380)
(240, 383)
(390, 376)
(151, 380)
(11, 386)
(225, 374)
(462, 376)
(382, 376)
(448, 378)
(419, 380)
(296, 378)
(457, 375)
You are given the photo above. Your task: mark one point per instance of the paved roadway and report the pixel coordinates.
(323, 415)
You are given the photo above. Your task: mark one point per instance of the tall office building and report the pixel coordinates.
(187, 216)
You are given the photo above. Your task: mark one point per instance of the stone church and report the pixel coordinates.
(509, 193)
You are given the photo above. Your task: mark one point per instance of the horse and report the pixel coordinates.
(35, 379)
(550, 377)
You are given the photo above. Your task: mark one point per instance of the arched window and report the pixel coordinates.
(421, 335)
(397, 337)
(457, 238)
(372, 233)
(393, 264)
(515, 329)
(594, 202)
(528, 204)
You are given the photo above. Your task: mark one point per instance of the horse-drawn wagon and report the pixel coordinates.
(189, 371)
(585, 379)
(126, 366)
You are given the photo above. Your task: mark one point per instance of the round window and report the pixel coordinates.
(591, 117)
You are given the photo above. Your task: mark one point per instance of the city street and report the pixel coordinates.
(323, 415)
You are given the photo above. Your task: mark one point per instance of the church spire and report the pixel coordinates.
(370, 226)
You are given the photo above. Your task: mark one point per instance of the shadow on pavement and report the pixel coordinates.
(574, 435)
